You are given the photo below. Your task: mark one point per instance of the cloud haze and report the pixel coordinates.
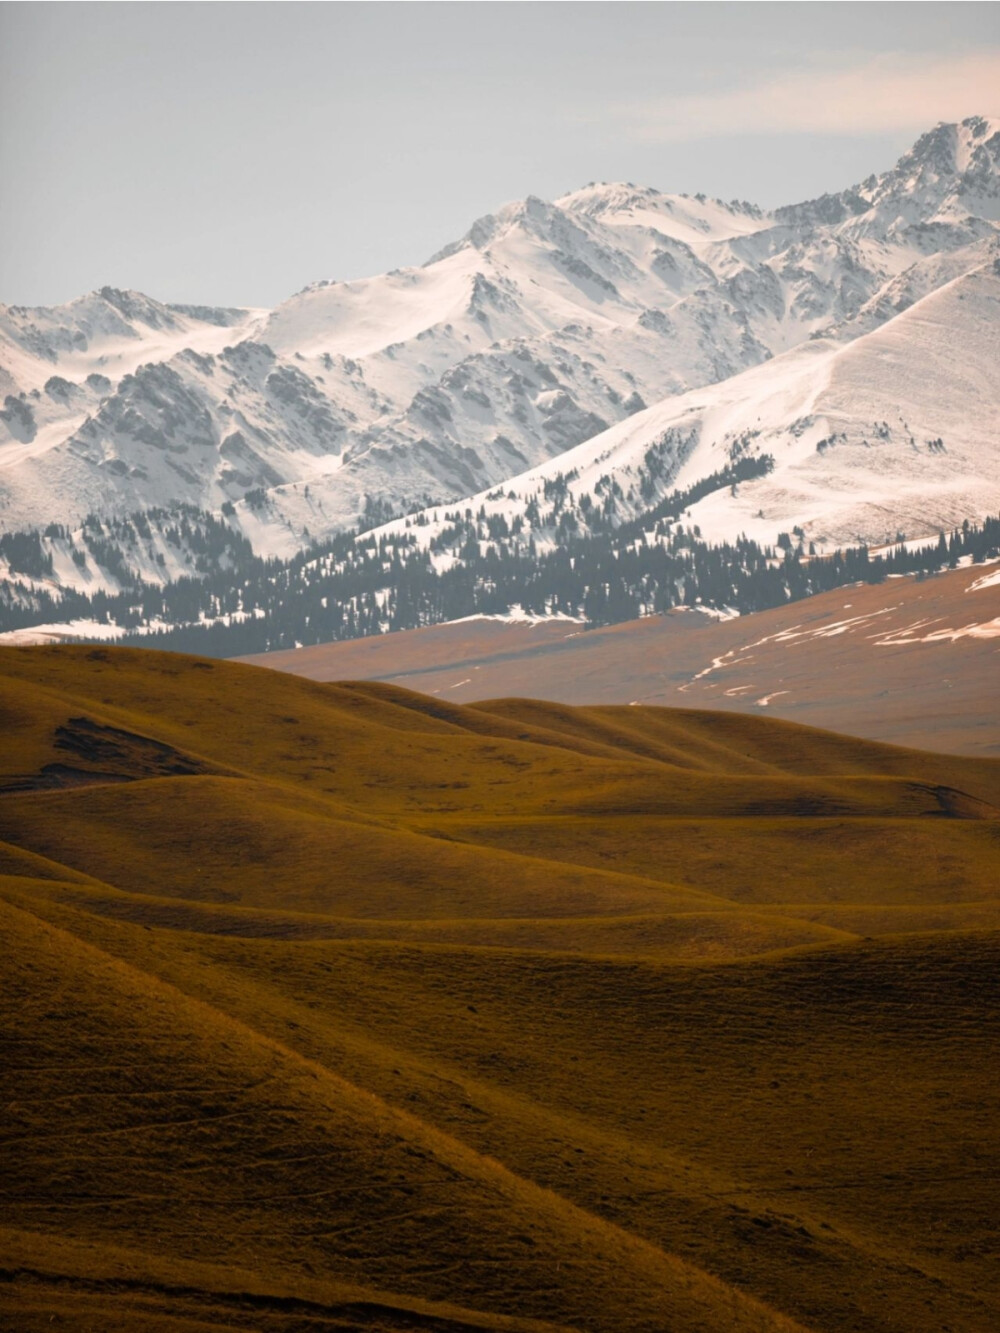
(881, 95)
(232, 153)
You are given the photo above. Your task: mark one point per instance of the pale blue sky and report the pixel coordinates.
(231, 153)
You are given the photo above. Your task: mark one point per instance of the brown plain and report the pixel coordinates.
(899, 661)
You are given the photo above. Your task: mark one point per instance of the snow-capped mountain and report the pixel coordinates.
(893, 431)
(550, 327)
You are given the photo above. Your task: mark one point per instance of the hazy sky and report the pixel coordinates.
(231, 153)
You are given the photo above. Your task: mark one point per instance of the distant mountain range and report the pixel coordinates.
(617, 342)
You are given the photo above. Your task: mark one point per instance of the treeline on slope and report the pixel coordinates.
(601, 586)
(360, 584)
(113, 549)
(229, 581)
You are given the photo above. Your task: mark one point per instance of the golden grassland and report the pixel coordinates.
(338, 1007)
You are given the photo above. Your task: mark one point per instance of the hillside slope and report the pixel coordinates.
(337, 1006)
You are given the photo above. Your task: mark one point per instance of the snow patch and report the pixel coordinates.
(987, 581)
(989, 629)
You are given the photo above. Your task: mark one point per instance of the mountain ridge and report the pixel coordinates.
(544, 326)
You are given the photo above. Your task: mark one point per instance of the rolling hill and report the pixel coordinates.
(337, 1006)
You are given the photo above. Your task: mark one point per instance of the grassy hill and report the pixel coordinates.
(338, 1007)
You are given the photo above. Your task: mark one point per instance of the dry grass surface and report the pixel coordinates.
(334, 1007)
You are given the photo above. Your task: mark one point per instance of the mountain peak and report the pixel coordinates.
(952, 169)
(951, 149)
(607, 196)
(529, 213)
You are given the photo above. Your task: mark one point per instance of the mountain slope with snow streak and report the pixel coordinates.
(893, 431)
